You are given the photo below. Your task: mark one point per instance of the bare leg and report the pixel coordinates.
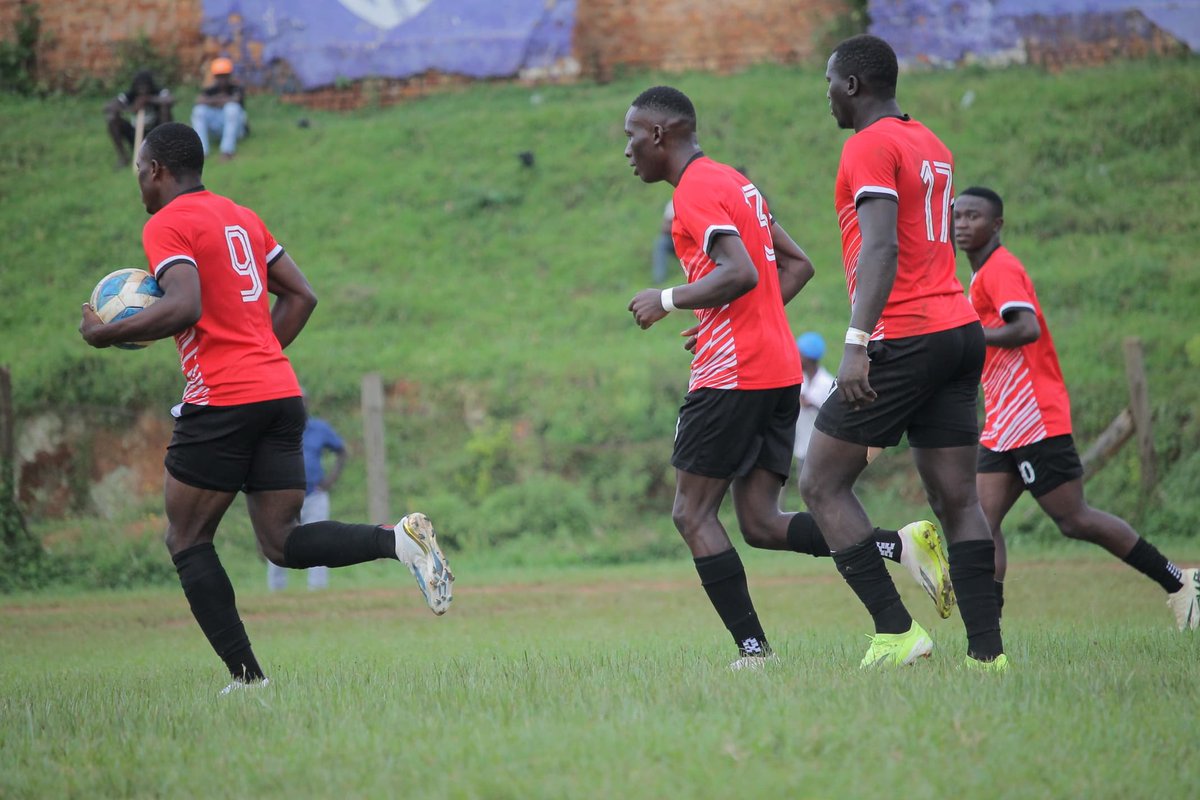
(998, 492)
(756, 501)
(831, 468)
(1077, 520)
(697, 501)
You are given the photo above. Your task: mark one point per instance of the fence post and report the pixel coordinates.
(373, 444)
(1139, 405)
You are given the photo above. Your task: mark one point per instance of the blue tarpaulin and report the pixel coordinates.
(327, 41)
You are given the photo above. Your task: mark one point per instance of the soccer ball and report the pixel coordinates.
(123, 293)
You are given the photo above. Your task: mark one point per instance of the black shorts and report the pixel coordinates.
(1042, 466)
(726, 433)
(926, 386)
(252, 447)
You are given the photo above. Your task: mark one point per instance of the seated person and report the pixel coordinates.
(220, 109)
(143, 95)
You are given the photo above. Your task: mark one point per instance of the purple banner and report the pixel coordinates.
(946, 31)
(327, 41)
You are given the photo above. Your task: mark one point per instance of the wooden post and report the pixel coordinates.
(1139, 406)
(1114, 436)
(373, 442)
(8, 464)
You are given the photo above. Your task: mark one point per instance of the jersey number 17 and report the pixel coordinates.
(931, 174)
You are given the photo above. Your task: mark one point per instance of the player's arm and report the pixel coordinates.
(335, 472)
(294, 298)
(874, 276)
(733, 276)
(177, 310)
(795, 268)
(1019, 329)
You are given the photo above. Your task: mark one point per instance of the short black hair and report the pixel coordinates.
(142, 78)
(177, 147)
(667, 99)
(871, 60)
(987, 194)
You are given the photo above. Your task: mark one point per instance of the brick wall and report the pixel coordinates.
(698, 34)
(79, 38)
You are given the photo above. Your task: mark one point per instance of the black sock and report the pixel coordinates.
(1145, 558)
(337, 544)
(803, 536)
(210, 594)
(863, 568)
(973, 573)
(889, 544)
(724, 579)
(1000, 597)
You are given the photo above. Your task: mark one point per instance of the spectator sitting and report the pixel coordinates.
(143, 96)
(220, 109)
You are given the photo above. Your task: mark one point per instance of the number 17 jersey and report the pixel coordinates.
(901, 160)
(231, 355)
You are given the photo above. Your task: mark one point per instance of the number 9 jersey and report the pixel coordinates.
(900, 160)
(231, 355)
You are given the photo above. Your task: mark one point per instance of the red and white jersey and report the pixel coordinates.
(747, 343)
(901, 160)
(230, 356)
(1025, 399)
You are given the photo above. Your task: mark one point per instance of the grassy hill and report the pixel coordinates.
(491, 296)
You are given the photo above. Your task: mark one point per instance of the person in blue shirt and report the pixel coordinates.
(319, 438)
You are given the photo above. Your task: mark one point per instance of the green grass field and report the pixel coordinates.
(532, 420)
(599, 683)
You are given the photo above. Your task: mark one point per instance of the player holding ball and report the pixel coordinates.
(240, 423)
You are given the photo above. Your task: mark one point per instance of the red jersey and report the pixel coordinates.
(747, 343)
(901, 159)
(230, 356)
(1024, 397)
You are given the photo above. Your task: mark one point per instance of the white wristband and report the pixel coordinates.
(855, 336)
(668, 300)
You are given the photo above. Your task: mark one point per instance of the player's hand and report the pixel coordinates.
(90, 325)
(690, 336)
(647, 307)
(852, 383)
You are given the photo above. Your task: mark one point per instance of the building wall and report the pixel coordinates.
(79, 38)
(699, 34)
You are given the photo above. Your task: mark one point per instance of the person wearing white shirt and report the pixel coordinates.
(818, 383)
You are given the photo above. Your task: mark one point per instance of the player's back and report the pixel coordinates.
(231, 355)
(903, 161)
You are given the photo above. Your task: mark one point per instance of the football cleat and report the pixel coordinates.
(997, 664)
(751, 663)
(417, 549)
(238, 685)
(1186, 602)
(922, 554)
(897, 649)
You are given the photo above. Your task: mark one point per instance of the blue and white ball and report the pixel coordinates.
(123, 293)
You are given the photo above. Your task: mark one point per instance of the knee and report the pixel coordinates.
(274, 554)
(1074, 525)
(814, 493)
(179, 539)
(756, 531)
(688, 518)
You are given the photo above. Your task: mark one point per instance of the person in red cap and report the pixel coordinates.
(220, 109)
